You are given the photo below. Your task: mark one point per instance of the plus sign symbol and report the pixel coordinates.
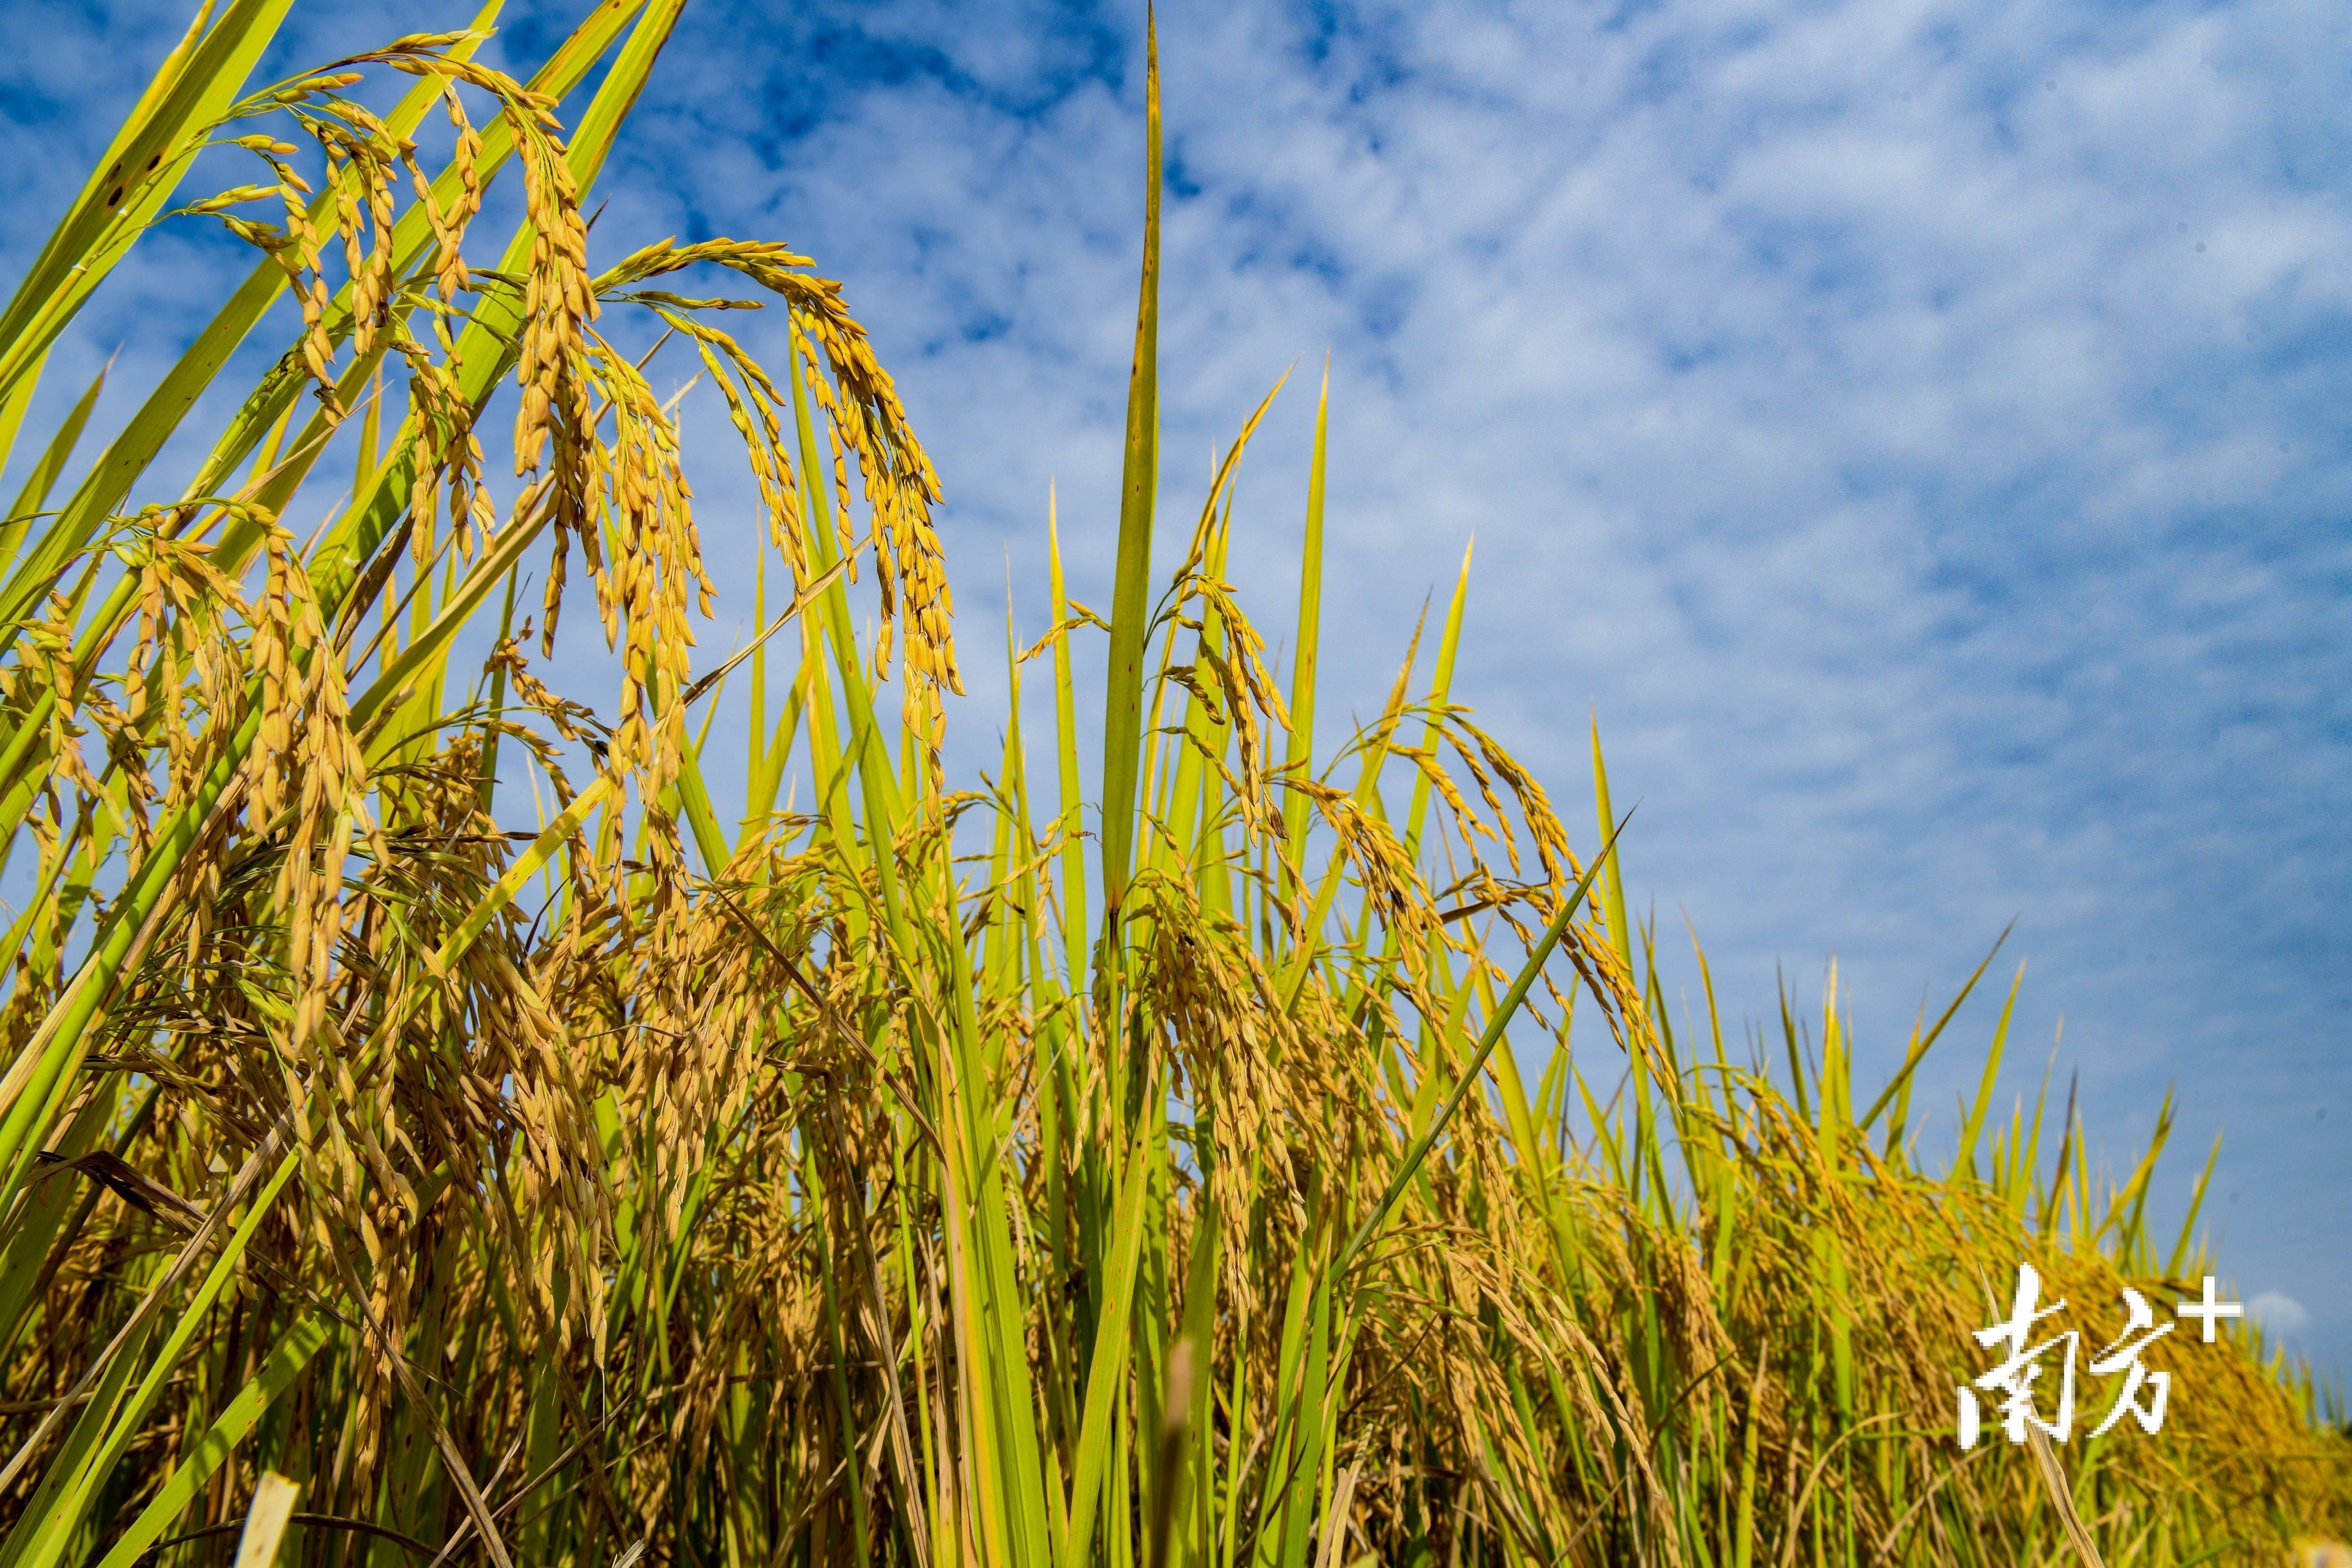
(2209, 1310)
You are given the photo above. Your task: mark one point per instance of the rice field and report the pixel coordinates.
(1207, 1138)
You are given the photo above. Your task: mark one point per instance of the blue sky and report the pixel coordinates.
(1914, 427)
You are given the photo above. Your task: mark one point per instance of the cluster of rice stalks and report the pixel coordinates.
(1200, 1173)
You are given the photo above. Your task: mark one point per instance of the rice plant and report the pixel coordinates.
(1283, 1154)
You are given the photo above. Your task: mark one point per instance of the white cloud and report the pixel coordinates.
(2280, 1314)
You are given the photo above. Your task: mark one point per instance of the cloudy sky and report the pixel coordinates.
(1913, 427)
